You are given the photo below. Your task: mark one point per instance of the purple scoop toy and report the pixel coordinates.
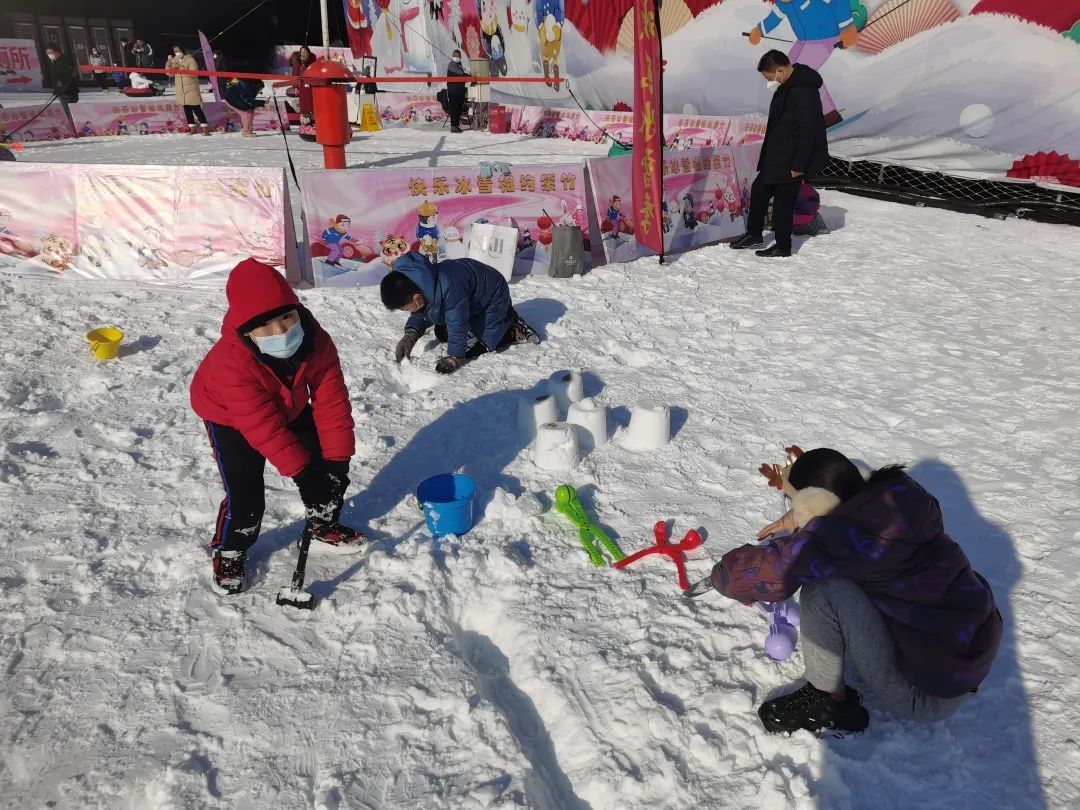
(780, 643)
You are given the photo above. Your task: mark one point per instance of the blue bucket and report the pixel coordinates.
(448, 501)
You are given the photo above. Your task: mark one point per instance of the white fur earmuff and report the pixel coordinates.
(812, 502)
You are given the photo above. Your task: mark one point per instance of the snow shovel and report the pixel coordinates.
(295, 595)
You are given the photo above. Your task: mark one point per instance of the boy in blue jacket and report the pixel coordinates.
(467, 302)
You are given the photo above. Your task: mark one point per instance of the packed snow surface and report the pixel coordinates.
(501, 669)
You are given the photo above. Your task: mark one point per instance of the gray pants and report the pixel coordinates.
(840, 626)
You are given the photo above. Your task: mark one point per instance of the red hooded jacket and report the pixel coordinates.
(234, 387)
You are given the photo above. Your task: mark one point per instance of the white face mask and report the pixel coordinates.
(53, 56)
(456, 59)
(771, 85)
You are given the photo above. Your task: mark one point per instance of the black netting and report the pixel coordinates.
(987, 197)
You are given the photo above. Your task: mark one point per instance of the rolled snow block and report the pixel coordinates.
(556, 447)
(591, 419)
(650, 426)
(535, 409)
(566, 387)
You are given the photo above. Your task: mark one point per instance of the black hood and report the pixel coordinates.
(801, 74)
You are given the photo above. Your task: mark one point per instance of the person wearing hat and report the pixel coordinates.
(885, 593)
(272, 389)
(334, 237)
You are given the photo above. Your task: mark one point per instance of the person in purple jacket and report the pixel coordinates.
(886, 593)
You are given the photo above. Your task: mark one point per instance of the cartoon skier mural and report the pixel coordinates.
(492, 38)
(818, 26)
(549, 16)
(335, 236)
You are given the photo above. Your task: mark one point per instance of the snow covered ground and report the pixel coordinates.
(501, 669)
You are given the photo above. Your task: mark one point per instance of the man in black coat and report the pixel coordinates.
(795, 149)
(455, 91)
(65, 81)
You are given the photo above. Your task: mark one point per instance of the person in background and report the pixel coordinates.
(241, 96)
(886, 594)
(101, 78)
(65, 81)
(455, 91)
(272, 389)
(188, 94)
(795, 149)
(142, 55)
(120, 77)
(300, 61)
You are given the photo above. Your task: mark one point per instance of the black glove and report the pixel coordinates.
(322, 486)
(449, 364)
(405, 345)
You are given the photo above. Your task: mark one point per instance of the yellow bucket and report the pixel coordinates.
(105, 342)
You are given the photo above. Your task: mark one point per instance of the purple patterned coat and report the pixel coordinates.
(891, 541)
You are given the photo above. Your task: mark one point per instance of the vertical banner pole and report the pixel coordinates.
(648, 126)
(325, 29)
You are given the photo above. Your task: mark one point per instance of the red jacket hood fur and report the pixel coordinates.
(235, 388)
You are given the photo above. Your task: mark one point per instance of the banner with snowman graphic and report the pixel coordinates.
(704, 201)
(358, 221)
(974, 86)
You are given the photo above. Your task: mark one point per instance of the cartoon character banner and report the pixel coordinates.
(19, 66)
(410, 109)
(973, 86)
(704, 201)
(357, 222)
(19, 124)
(158, 116)
(146, 223)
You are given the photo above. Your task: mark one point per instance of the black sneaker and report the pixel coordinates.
(773, 253)
(520, 332)
(441, 334)
(747, 241)
(811, 709)
(229, 571)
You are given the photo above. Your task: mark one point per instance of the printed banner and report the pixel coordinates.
(143, 223)
(156, 116)
(409, 109)
(648, 127)
(19, 124)
(19, 66)
(357, 222)
(704, 201)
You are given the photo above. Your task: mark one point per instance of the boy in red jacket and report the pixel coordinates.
(272, 389)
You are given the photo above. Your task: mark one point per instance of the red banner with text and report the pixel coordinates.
(648, 126)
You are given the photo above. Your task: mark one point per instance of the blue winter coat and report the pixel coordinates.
(811, 19)
(463, 294)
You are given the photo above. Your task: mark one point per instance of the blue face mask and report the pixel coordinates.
(282, 346)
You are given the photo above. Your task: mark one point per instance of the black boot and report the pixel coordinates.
(774, 252)
(747, 240)
(811, 709)
(229, 571)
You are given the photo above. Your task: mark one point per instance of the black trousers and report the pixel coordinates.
(456, 102)
(783, 196)
(241, 467)
(193, 112)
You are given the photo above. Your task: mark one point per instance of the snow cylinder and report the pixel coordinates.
(591, 419)
(650, 426)
(556, 447)
(566, 387)
(535, 409)
(448, 501)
